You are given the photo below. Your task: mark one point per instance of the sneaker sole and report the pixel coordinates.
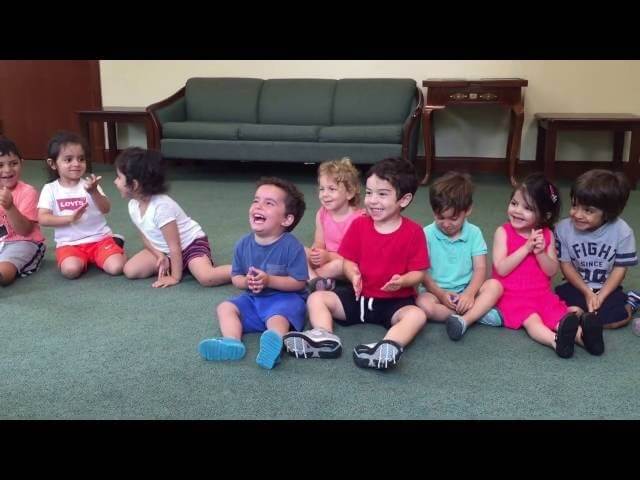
(300, 346)
(372, 360)
(220, 350)
(567, 333)
(270, 349)
(592, 330)
(454, 330)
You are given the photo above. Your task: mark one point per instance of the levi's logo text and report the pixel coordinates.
(72, 204)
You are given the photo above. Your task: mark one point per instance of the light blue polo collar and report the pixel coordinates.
(463, 237)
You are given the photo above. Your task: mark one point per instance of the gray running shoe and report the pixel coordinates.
(315, 343)
(455, 327)
(381, 355)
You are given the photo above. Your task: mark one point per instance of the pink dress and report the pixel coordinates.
(527, 289)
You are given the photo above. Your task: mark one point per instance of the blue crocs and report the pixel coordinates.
(270, 349)
(221, 349)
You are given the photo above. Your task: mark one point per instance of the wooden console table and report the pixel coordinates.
(550, 123)
(111, 116)
(485, 91)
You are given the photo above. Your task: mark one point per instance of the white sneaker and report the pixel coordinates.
(315, 343)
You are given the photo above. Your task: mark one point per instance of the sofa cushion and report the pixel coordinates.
(291, 133)
(222, 99)
(293, 101)
(373, 101)
(361, 134)
(201, 130)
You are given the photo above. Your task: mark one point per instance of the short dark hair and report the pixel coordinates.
(605, 190)
(294, 203)
(147, 167)
(7, 147)
(544, 197)
(452, 190)
(398, 172)
(60, 140)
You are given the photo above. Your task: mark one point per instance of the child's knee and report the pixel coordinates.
(225, 309)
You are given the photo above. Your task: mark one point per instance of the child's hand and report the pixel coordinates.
(257, 279)
(593, 301)
(165, 281)
(392, 285)
(75, 216)
(539, 243)
(6, 198)
(164, 266)
(318, 256)
(449, 300)
(531, 241)
(464, 303)
(91, 183)
(356, 281)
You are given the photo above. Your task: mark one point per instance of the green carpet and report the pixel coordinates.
(112, 348)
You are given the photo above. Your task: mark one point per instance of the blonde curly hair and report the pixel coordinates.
(343, 171)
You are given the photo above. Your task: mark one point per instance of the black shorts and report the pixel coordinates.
(612, 309)
(369, 310)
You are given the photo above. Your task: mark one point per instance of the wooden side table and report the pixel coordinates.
(112, 116)
(485, 91)
(618, 123)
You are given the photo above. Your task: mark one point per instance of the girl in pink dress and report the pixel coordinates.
(524, 261)
(339, 194)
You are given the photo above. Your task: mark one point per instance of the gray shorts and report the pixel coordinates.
(26, 256)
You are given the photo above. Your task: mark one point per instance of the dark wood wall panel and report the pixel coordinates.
(40, 97)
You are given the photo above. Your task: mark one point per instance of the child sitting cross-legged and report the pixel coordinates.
(458, 291)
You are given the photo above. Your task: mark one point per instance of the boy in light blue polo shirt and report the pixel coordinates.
(458, 291)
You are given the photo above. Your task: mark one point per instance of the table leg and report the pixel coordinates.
(517, 118)
(540, 143)
(618, 146)
(113, 142)
(429, 143)
(634, 157)
(550, 152)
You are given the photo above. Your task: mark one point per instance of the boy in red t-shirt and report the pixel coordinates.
(385, 258)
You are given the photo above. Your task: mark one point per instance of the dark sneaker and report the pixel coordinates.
(119, 239)
(566, 335)
(633, 299)
(592, 333)
(316, 343)
(381, 355)
(455, 327)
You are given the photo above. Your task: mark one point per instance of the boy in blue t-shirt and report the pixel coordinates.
(595, 248)
(271, 265)
(458, 291)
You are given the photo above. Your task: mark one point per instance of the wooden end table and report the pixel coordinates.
(112, 116)
(485, 91)
(618, 123)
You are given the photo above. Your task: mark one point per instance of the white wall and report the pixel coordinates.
(554, 86)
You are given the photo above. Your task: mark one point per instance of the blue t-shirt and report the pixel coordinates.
(285, 257)
(452, 260)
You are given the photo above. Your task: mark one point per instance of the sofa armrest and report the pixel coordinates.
(409, 130)
(171, 109)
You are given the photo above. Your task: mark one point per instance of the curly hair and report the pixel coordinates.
(294, 201)
(343, 171)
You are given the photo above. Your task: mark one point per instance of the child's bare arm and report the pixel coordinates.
(46, 218)
(479, 275)
(318, 236)
(503, 263)
(613, 281)
(575, 279)
(547, 258)
(20, 224)
(172, 237)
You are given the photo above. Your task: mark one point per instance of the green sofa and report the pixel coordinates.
(289, 120)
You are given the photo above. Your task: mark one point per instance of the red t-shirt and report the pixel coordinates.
(379, 256)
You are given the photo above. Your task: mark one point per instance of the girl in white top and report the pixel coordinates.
(173, 241)
(76, 208)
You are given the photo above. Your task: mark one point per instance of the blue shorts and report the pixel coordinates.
(256, 310)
